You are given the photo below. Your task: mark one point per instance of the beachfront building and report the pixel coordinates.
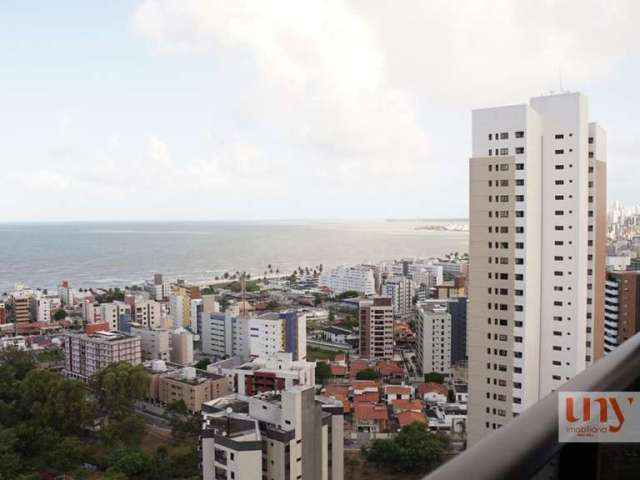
(359, 278)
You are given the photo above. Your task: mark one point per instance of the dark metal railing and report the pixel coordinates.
(528, 445)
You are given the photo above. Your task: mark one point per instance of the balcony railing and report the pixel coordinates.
(527, 447)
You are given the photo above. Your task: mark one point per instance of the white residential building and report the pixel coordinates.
(225, 335)
(86, 354)
(433, 338)
(264, 374)
(342, 279)
(536, 254)
(400, 290)
(147, 313)
(279, 436)
(155, 343)
(112, 313)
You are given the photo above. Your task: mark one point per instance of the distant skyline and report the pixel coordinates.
(216, 110)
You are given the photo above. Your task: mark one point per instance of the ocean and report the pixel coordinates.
(124, 253)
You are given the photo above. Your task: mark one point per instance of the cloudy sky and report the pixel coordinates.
(218, 109)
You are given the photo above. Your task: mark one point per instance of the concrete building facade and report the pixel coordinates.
(535, 259)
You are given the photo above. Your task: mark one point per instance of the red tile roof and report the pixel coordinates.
(397, 390)
(358, 365)
(340, 357)
(363, 384)
(334, 389)
(432, 387)
(406, 405)
(338, 370)
(367, 397)
(388, 367)
(366, 411)
(409, 417)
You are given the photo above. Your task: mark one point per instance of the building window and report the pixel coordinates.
(504, 135)
(519, 149)
(520, 134)
(559, 151)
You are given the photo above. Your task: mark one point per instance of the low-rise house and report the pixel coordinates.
(356, 366)
(337, 335)
(397, 392)
(409, 416)
(389, 371)
(434, 393)
(370, 418)
(399, 406)
(461, 391)
(452, 418)
(339, 371)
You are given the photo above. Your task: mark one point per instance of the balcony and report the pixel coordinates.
(527, 447)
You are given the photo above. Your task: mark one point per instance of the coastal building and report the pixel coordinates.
(65, 293)
(158, 288)
(87, 354)
(259, 375)
(536, 254)
(195, 314)
(275, 332)
(279, 436)
(21, 302)
(155, 343)
(342, 279)
(400, 290)
(433, 338)
(376, 327)
(621, 308)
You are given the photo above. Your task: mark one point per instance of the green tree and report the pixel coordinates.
(10, 463)
(184, 424)
(332, 316)
(348, 294)
(67, 454)
(367, 374)
(434, 377)
(323, 372)
(133, 463)
(60, 314)
(414, 450)
(202, 364)
(125, 430)
(185, 462)
(118, 386)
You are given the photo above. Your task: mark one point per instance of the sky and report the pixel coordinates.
(288, 109)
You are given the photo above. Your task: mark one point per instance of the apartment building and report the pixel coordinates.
(21, 301)
(147, 313)
(155, 343)
(65, 293)
(400, 290)
(86, 354)
(275, 332)
(225, 335)
(621, 308)
(193, 387)
(376, 327)
(259, 375)
(279, 436)
(535, 258)
(433, 338)
(114, 314)
(359, 278)
(181, 346)
(3, 313)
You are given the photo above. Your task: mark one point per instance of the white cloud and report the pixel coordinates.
(320, 82)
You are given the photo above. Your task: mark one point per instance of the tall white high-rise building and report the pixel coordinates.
(537, 253)
(433, 338)
(400, 289)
